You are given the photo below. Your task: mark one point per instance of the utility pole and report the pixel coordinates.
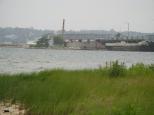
(128, 30)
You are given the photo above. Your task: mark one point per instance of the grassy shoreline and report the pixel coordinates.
(114, 90)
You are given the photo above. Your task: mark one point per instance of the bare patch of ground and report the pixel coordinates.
(11, 109)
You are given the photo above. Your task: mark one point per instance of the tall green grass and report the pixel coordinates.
(114, 90)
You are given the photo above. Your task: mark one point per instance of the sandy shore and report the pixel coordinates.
(11, 109)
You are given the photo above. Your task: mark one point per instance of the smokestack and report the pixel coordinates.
(63, 28)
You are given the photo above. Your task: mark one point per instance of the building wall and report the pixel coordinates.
(51, 42)
(88, 45)
(74, 45)
(84, 45)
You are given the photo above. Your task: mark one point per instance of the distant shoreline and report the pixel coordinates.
(65, 48)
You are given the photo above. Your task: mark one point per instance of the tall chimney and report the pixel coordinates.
(63, 28)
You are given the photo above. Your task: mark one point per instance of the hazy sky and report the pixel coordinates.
(79, 14)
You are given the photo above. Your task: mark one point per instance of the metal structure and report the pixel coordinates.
(128, 30)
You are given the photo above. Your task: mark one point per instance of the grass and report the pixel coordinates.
(114, 90)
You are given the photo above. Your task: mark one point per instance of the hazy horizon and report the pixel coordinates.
(79, 14)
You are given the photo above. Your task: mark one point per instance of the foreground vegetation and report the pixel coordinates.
(113, 90)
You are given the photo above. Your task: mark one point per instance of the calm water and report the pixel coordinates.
(14, 60)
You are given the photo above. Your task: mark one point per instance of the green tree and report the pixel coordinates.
(58, 40)
(43, 42)
(118, 35)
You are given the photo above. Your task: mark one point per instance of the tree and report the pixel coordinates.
(43, 42)
(58, 40)
(118, 35)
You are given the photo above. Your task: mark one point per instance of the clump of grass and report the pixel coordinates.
(116, 69)
(151, 67)
(126, 109)
(141, 70)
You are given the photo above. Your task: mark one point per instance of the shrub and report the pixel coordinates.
(151, 67)
(58, 40)
(117, 69)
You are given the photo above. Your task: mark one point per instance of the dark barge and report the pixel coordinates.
(147, 46)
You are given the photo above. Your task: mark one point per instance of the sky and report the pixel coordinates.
(79, 14)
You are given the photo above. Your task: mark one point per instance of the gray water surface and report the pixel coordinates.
(16, 60)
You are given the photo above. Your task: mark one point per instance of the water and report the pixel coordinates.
(16, 60)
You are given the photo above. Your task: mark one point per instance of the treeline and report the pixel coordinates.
(21, 35)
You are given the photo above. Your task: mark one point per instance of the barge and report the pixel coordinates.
(124, 46)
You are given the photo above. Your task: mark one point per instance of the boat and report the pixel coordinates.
(124, 46)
